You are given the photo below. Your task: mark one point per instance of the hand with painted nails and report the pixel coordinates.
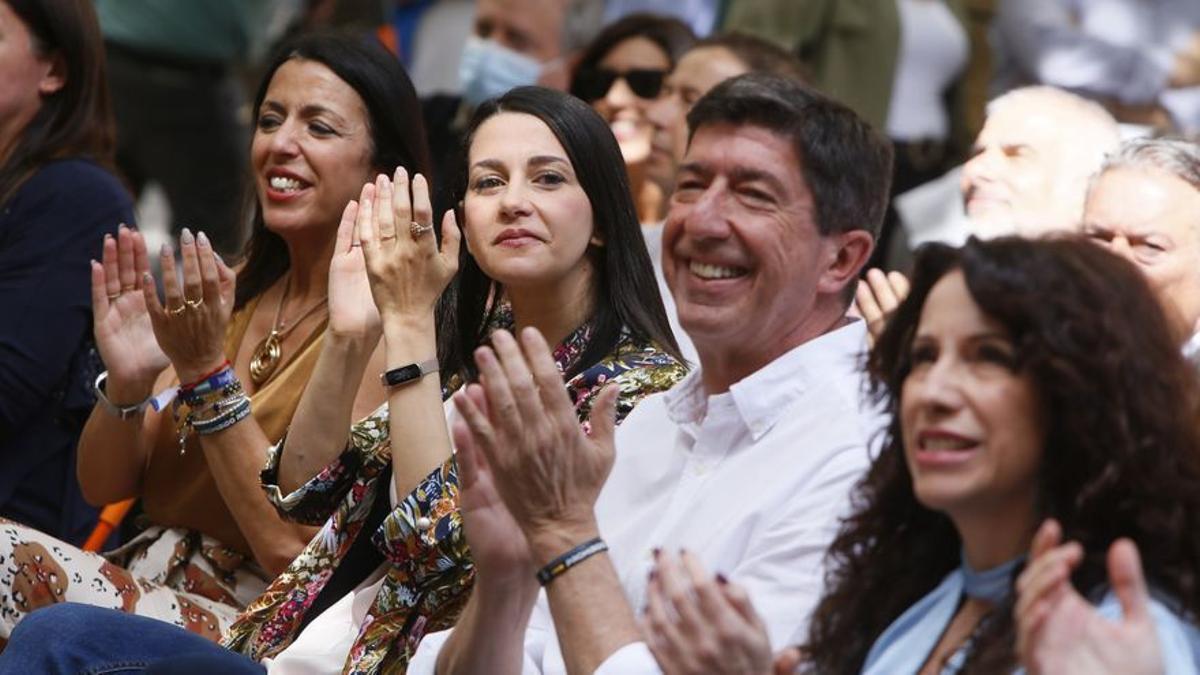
(1060, 632)
(546, 468)
(878, 296)
(407, 270)
(120, 320)
(190, 326)
(695, 622)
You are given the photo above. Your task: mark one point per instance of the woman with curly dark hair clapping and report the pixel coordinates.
(1026, 381)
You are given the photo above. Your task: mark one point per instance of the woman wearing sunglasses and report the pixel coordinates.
(620, 73)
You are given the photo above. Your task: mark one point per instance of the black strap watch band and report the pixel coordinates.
(410, 373)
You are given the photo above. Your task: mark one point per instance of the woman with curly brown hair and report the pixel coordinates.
(1026, 380)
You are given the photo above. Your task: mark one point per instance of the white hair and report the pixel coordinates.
(1176, 156)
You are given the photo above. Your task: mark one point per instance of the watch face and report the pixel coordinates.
(401, 375)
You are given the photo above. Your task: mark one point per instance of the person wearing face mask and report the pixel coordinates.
(513, 43)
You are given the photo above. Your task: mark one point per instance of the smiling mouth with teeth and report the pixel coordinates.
(706, 271)
(284, 184)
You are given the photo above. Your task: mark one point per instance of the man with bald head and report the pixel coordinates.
(1144, 204)
(1027, 176)
(1030, 165)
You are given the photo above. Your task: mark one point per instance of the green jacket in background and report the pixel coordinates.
(851, 47)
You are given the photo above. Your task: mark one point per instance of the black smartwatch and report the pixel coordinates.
(410, 373)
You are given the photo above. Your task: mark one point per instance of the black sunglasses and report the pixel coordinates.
(591, 84)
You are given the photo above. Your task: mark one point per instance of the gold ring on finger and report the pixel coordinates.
(193, 304)
(128, 289)
(416, 229)
(178, 310)
(112, 297)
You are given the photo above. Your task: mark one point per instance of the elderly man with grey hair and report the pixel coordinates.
(1027, 176)
(1144, 204)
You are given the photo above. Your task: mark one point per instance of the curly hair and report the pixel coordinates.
(1121, 456)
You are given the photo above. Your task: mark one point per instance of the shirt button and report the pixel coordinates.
(424, 523)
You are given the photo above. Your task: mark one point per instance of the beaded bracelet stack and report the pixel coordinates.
(214, 403)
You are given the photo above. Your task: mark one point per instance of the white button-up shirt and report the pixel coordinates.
(752, 481)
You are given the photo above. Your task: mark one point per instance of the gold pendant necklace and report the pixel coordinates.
(265, 358)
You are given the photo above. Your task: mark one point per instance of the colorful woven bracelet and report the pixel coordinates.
(223, 421)
(557, 567)
(215, 371)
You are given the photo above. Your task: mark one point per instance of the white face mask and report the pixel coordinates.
(488, 70)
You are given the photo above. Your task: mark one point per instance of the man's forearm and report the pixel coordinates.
(591, 615)
(490, 634)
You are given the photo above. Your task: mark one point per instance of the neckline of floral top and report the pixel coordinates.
(566, 353)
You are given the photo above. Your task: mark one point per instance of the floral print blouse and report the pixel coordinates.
(430, 572)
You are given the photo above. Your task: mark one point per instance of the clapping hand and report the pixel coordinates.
(697, 623)
(877, 296)
(190, 326)
(121, 322)
(546, 468)
(406, 268)
(498, 546)
(352, 311)
(1060, 632)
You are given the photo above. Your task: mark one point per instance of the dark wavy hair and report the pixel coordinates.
(393, 117)
(625, 292)
(1121, 455)
(672, 36)
(77, 119)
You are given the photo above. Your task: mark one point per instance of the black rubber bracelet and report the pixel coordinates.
(555, 568)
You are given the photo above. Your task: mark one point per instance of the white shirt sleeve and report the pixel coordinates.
(1042, 38)
(632, 659)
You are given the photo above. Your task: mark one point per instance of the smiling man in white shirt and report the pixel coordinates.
(747, 463)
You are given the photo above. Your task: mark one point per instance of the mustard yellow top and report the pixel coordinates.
(179, 490)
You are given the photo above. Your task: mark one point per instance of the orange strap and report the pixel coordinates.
(110, 517)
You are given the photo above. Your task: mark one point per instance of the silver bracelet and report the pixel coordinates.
(121, 412)
(223, 421)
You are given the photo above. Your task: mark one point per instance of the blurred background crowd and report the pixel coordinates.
(922, 70)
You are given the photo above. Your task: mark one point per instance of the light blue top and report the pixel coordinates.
(906, 644)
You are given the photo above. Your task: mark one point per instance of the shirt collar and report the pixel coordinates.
(763, 396)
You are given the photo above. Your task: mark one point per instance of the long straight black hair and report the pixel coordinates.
(625, 291)
(393, 117)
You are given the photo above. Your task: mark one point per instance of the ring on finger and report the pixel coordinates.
(416, 229)
(177, 310)
(193, 304)
(113, 296)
